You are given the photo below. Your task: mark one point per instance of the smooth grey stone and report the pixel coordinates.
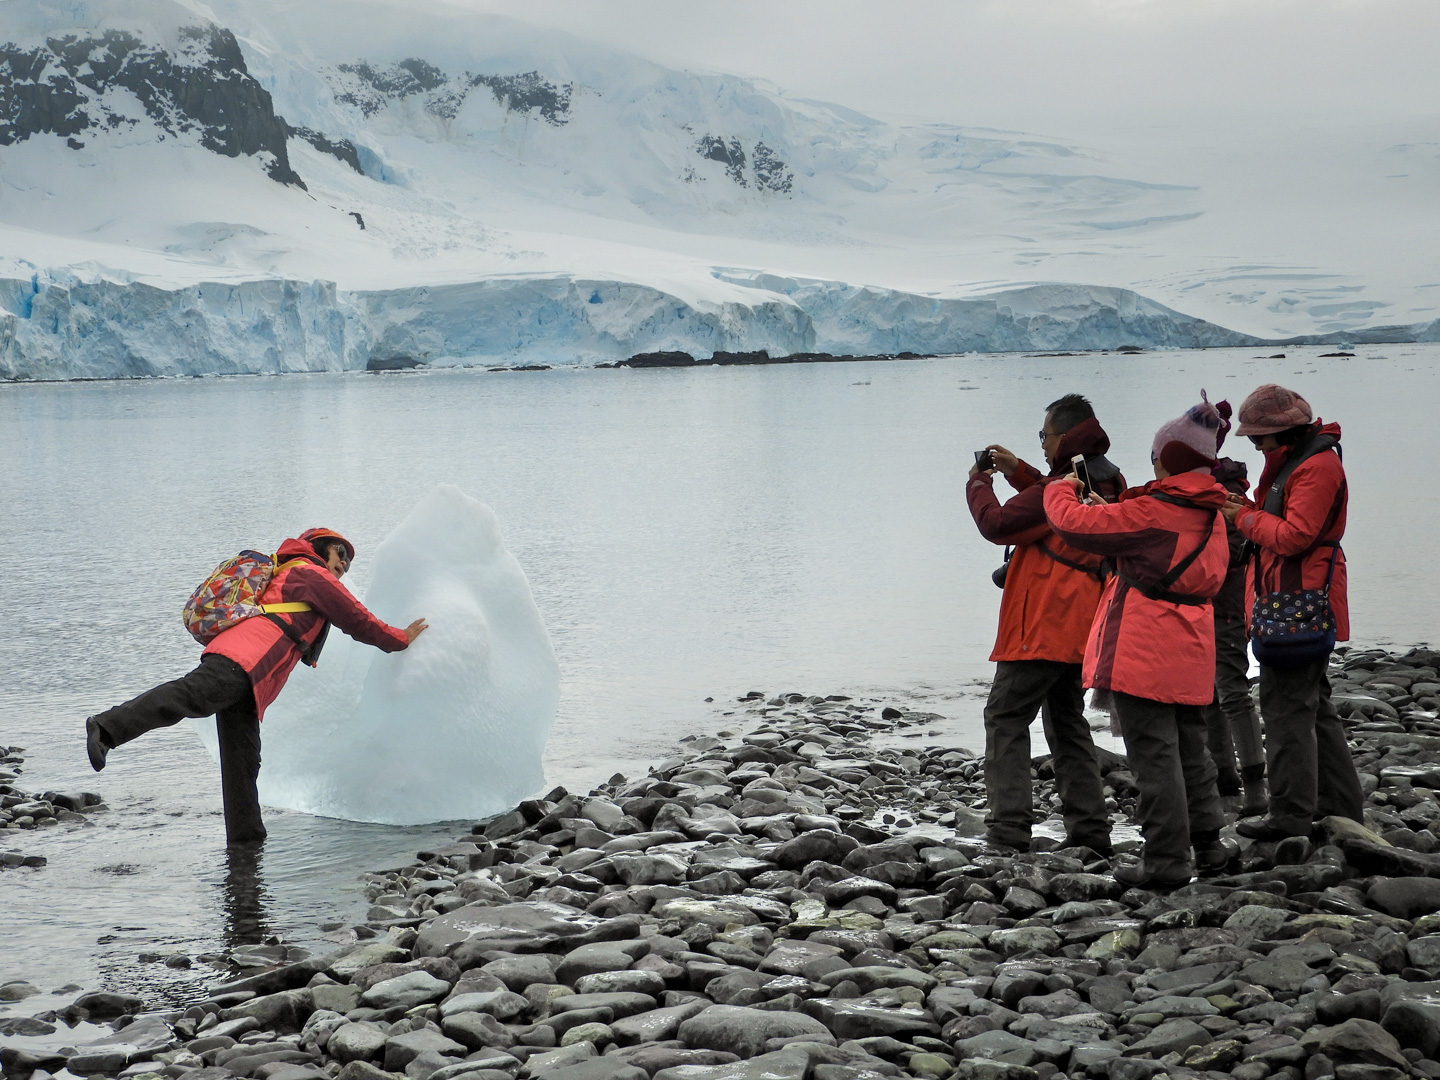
(427, 1063)
(619, 1004)
(601, 956)
(368, 954)
(549, 1060)
(335, 997)
(400, 1050)
(615, 982)
(791, 1063)
(790, 957)
(406, 991)
(284, 1012)
(993, 1044)
(1285, 975)
(656, 1025)
(478, 1031)
(850, 1019)
(743, 1031)
(874, 978)
(1356, 1041)
(360, 1041)
(1170, 1037)
(515, 926)
(657, 869)
(501, 1004)
(518, 972)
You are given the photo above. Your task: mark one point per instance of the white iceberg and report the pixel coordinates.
(453, 727)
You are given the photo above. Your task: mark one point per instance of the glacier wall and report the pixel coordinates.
(61, 326)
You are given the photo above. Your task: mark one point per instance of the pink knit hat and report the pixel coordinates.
(1188, 443)
(1270, 409)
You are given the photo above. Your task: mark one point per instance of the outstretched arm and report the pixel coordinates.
(326, 595)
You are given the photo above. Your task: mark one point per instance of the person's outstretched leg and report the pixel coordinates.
(239, 731)
(215, 684)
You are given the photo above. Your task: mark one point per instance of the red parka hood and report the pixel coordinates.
(1275, 460)
(297, 549)
(1087, 438)
(1198, 488)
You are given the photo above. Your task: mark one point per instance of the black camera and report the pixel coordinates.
(1000, 572)
(983, 461)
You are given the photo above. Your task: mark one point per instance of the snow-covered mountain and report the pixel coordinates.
(262, 185)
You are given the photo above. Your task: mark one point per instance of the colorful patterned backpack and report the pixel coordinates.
(232, 593)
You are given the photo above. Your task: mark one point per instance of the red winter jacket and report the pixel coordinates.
(268, 654)
(1147, 648)
(1313, 510)
(1047, 606)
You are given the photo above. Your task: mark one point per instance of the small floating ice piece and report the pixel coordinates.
(453, 727)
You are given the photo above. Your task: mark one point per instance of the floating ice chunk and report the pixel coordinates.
(453, 727)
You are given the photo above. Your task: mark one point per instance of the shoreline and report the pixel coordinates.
(798, 902)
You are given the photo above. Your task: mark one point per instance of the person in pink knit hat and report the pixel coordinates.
(1296, 522)
(1152, 642)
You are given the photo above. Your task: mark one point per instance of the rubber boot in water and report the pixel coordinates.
(1257, 796)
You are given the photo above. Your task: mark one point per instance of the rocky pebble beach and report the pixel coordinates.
(20, 812)
(809, 897)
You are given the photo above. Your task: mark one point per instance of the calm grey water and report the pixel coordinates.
(688, 534)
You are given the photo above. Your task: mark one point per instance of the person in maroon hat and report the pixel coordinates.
(244, 668)
(1296, 522)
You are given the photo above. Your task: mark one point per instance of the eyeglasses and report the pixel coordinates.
(1048, 434)
(1256, 439)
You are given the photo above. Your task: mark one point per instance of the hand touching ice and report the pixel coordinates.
(415, 629)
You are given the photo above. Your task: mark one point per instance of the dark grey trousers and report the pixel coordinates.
(1176, 778)
(1231, 723)
(1307, 756)
(1021, 689)
(221, 687)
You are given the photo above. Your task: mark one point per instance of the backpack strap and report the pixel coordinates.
(1275, 497)
(309, 653)
(1093, 571)
(1160, 590)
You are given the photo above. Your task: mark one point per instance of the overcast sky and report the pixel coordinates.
(1045, 64)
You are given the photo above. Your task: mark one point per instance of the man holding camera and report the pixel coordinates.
(1050, 594)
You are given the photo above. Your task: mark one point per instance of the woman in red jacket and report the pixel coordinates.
(1296, 521)
(1152, 643)
(244, 668)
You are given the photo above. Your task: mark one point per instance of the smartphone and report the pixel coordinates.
(1077, 464)
(983, 460)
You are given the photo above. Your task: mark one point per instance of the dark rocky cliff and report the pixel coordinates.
(67, 87)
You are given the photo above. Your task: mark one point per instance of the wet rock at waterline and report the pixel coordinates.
(21, 813)
(749, 944)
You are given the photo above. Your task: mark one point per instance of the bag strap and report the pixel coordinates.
(1160, 590)
(1093, 571)
(1275, 497)
(1296, 559)
(309, 653)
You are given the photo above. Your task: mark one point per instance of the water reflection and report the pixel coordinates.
(246, 897)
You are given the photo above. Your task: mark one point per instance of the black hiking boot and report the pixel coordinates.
(95, 744)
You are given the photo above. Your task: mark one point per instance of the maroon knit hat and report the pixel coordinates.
(1271, 409)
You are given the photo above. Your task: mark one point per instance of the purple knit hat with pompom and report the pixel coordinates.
(1189, 443)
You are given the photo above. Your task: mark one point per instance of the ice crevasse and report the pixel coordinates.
(453, 727)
